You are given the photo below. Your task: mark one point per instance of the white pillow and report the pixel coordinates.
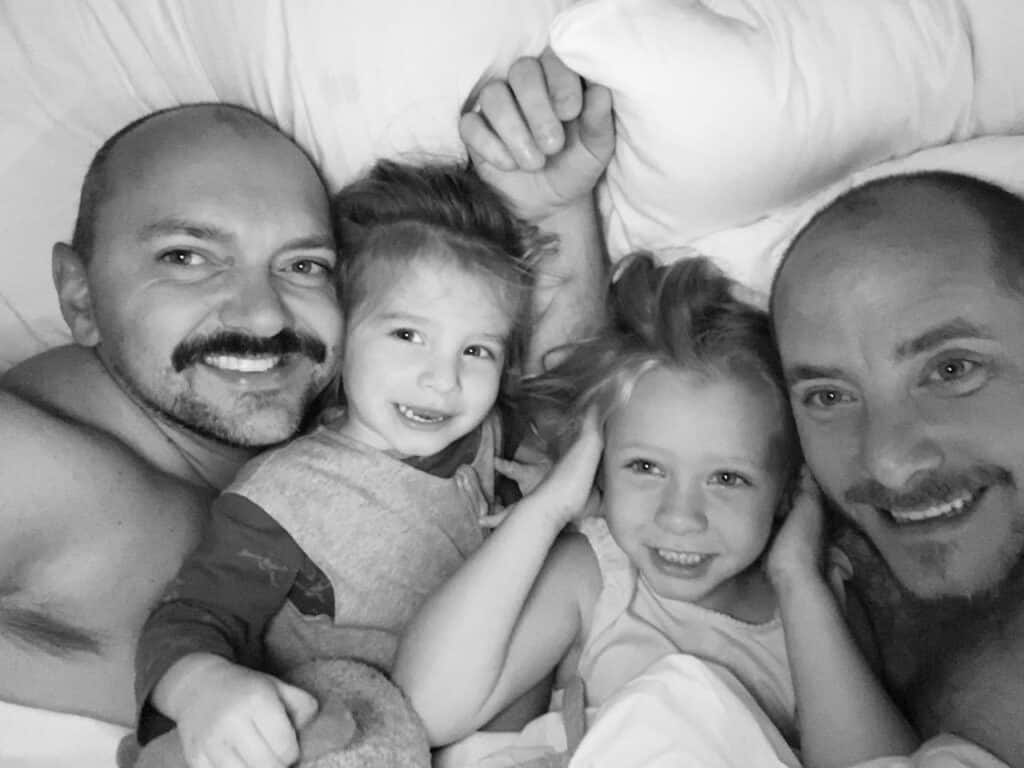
(730, 110)
(352, 80)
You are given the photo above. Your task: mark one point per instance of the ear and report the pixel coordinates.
(72, 282)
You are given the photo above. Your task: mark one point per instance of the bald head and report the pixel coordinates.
(131, 152)
(903, 213)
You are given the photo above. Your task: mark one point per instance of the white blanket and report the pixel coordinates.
(38, 738)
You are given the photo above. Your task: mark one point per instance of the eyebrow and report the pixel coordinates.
(203, 231)
(389, 317)
(958, 328)
(802, 372)
(177, 226)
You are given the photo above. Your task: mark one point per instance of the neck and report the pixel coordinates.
(201, 460)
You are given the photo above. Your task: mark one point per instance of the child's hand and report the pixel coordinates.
(567, 492)
(528, 469)
(243, 718)
(542, 137)
(798, 545)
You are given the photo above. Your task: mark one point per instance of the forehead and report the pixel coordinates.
(692, 415)
(197, 168)
(900, 269)
(434, 284)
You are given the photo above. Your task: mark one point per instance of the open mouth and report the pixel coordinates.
(958, 506)
(421, 416)
(684, 559)
(248, 364)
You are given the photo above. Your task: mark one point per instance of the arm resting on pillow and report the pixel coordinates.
(543, 139)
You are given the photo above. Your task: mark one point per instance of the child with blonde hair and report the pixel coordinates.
(325, 547)
(700, 461)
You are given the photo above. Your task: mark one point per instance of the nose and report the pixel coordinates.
(440, 373)
(896, 446)
(255, 306)
(682, 510)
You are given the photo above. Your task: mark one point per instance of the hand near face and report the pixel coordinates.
(244, 718)
(542, 137)
(567, 492)
(798, 545)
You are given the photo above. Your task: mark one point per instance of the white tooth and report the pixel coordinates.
(241, 364)
(683, 558)
(928, 513)
(409, 413)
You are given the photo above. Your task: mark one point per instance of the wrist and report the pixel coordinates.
(796, 579)
(178, 688)
(567, 215)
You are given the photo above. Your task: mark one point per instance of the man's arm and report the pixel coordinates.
(543, 138)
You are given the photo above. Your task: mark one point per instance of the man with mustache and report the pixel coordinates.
(199, 291)
(899, 315)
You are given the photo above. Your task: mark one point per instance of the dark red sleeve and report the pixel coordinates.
(224, 596)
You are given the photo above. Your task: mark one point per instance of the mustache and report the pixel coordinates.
(287, 342)
(934, 488)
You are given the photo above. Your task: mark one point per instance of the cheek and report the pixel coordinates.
(830, 452)
(320, 316)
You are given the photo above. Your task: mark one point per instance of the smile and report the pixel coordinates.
(949, 509)
(259, 364)
(688, 559)
(421, 416)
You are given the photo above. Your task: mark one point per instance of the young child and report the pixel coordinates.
(699, 463)
(326, 546)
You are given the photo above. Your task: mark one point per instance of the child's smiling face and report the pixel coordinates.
(690, 483)
(423, 357)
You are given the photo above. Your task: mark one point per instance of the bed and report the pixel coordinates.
(736, 119)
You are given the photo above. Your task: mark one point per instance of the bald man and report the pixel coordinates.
(899, 313)
(199, 292)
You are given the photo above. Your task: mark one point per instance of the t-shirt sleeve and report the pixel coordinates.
(221, 601)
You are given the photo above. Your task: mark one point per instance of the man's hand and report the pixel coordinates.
(238, 718)
(542, 137)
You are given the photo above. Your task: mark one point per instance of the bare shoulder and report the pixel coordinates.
(573, 561)
(73, 494)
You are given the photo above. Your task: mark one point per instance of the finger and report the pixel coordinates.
(597, 125)
(300, 705)
(225, 755)
(564, 86)
(527, 79)
(482, 144)
(498, 106)
(255, 752)
(278, 742)
(513, 470)
(494, 519)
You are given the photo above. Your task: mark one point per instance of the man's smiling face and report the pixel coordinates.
(211, 278)
(904, 352)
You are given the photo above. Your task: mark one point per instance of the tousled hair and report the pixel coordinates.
(681, 316)
(399, 212)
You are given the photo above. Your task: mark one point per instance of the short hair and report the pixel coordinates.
(398, 212)
(98, 183)
(1000, 210)
(681, 316)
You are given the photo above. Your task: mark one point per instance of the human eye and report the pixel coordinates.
(824, 398)
(644, 467)
(957, 375)
(307, 270)
(730, 479)
(312, 267)
(407, 334)
(481, 351)
(182, 257)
